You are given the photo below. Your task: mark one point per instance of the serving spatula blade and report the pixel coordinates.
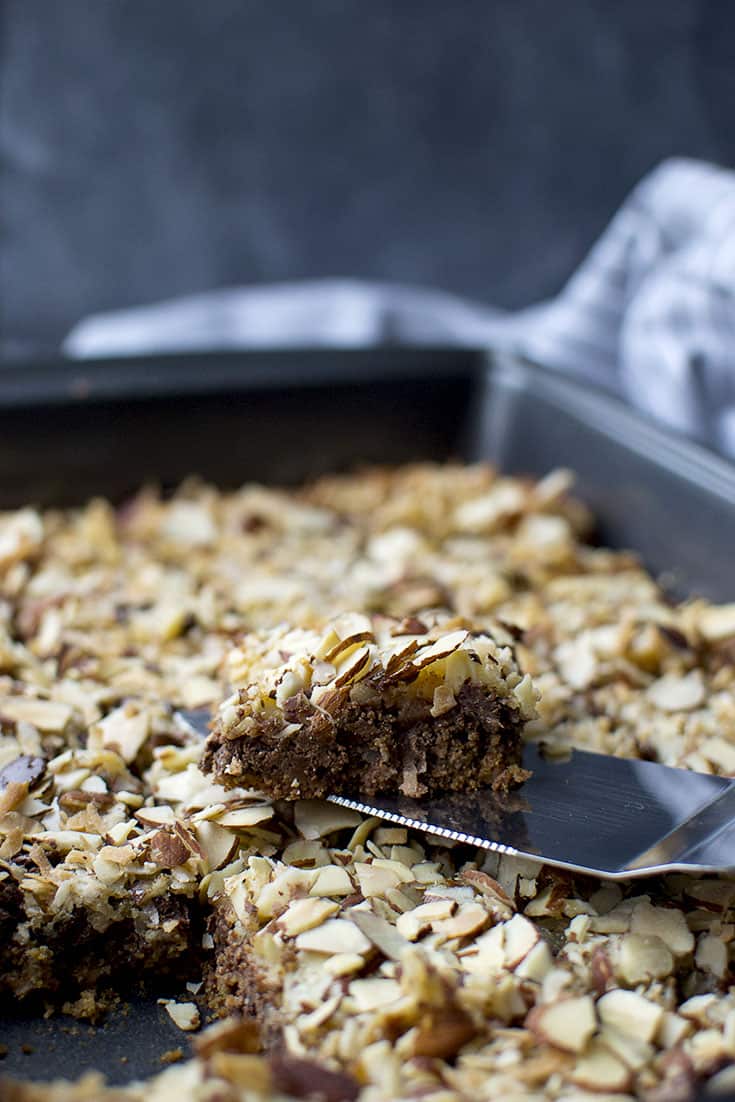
(615, 818)
(591, 813)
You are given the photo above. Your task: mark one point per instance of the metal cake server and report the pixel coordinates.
(613, 818)
(610, 817)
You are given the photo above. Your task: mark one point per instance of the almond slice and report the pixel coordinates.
(124, 730)
(641, 959)
(630, 1013)
(305, 914)
(351, 624)
(717, 622)
(412, 924)
(155, 816)
(374, 880)
(600, 1071)
(316, 818)
(47, 715)
(712, 956)
(666, 923)
(537, 964)
(345, 644)
(168, 850)
(672, 693)
(336, 935)
(433, 652)
(391, 943)
(218, 844)
(355, 665)
(520, 938)
(243, 817)
(567, 1024)
(468, 920)
(332, 880)
(184, 1015)
(374, 993)
(633, 1051)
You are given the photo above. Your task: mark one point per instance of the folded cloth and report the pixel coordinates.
(649, 314)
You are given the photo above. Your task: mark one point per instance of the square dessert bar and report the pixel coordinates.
(365, 705)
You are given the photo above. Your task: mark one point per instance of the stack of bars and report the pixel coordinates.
(402, 630)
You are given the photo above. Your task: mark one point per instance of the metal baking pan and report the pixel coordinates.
(69, 430)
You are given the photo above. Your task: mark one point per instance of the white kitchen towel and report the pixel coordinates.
(649, 314)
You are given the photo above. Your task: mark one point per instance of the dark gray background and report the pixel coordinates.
(150, 148)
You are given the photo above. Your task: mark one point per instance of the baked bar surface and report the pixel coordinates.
(366, 706)
(348, 958)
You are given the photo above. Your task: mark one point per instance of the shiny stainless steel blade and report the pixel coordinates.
(609, 817)
(591, 813)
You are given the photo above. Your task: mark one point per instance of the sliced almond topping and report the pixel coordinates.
(722, 1083)
(500, 903)
(717, 622)
(235, 1034)
(600, 1071)
(715, 895)
(307, 1023)
(246, 1070)
(299, 1078)
(168, 850)
(711, 956)
(444, 1033)
(336, 935)
(317, 818)
(384, 937)
(351, 669)
(444, 700)
(217, 843)
(468, 920)
(630, 1013)
(485, 957)
(672, 1030)
(374, 880)
(392, 836)
(666, 923)
(633, 1051)
(671, 693)
(274, 896)
(415, 922)
(351, 624)
(536, 964)
(25, 769)
(567, 1024)
(46, 715)
(12, 796)
(373, 993)
(332, 880)
(346, 644)
(720, 753)
(642, 959)
(343, 964)
(433, 652)
(124, 730)
(184, 1015)
(706, 1049)
(155, 816)
(520, 937)
(305, 914)
(698, 1008)
(243, 817)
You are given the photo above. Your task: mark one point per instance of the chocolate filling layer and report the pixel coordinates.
(353, 749)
